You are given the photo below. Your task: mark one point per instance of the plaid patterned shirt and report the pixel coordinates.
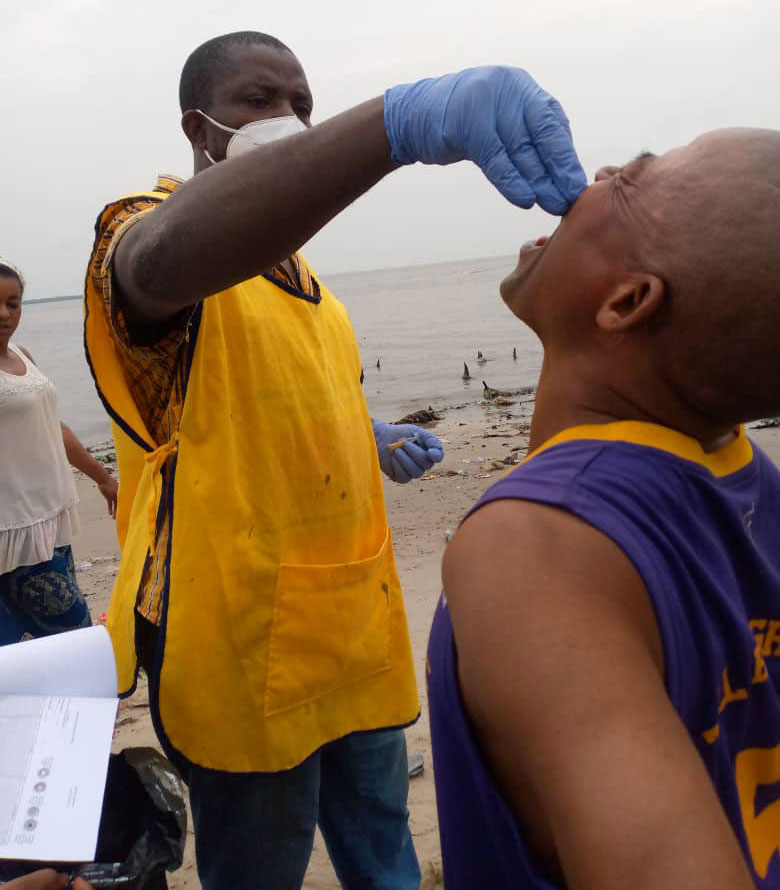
(155, 373)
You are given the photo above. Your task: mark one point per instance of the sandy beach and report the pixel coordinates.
(480, 441)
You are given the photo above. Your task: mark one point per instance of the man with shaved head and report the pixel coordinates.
(604, 670)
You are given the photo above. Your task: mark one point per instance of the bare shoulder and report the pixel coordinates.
(526, 555)
(561, 672)
(532, 590)
(25, 352)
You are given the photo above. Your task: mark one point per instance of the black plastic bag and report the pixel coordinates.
(143, 827)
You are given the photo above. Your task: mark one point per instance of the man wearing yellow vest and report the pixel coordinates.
(257, 585)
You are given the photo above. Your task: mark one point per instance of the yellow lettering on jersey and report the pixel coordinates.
(760, 672)
(711, 735)
(754, 767)
(757, 626)
(772, 639)
(766, 633)
(730, 695)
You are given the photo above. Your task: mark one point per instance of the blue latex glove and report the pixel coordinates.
(415, 457)
(498, 117)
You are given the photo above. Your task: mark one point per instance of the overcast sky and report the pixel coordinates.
(89, 105)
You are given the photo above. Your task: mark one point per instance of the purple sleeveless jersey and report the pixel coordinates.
(704, 533)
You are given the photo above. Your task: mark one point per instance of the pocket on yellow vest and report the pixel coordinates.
(331, 628)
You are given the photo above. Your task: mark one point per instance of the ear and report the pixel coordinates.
(631, 303)
(194, 126)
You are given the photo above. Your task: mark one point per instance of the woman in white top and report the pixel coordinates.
(39, 594)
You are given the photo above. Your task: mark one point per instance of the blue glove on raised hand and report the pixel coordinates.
(410, 460)
(498, 117)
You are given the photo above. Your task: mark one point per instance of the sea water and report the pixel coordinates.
(421, 323)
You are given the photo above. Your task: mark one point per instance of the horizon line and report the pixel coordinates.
(496, 256)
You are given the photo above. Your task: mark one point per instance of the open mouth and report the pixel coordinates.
(534, 244)
(530, 252)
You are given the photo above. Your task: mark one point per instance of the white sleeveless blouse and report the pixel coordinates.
(37, 490)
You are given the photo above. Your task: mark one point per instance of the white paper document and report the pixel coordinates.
(57, 710)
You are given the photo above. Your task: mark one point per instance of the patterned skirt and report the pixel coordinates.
(42, 599)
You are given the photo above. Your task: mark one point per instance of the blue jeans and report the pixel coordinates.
(256, 830)
(42, 599)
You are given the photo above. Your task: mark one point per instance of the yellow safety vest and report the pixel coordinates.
(283, 621)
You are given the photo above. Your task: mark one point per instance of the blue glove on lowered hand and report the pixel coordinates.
(411, 459)
(498, 117)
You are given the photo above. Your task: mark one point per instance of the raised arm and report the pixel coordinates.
(561, 671)
(243, 216)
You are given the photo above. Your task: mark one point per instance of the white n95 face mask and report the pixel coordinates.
(256, 133)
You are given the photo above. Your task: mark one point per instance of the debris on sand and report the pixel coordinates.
(103, 452)
(416, 765)
(502, 396)
(432, 876)
(426, 415)
(491, 395)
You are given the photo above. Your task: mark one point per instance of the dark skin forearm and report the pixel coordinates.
(242, 217)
